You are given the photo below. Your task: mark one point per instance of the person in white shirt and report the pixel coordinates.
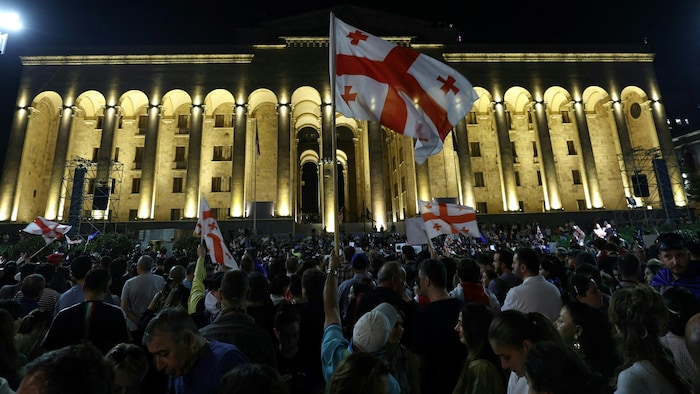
(535, 294)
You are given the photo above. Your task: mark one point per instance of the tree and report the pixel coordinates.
(111, 244)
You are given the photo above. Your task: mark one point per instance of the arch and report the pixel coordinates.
(132, 103)
(517, 100)
(219, 101)
(174, 100)
(91, 103)
(557, 99)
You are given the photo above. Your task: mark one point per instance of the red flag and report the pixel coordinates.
(47, 229)
(445, 218)
(208, 228)
(406, 91)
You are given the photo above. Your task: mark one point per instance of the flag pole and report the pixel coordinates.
(37, 252)
(331, 51)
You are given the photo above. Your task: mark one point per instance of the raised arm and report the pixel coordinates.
(330, 292)
(198, 291)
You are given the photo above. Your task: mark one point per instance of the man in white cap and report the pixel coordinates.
(370, 333)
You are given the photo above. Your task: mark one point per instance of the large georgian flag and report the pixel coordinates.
(402, 89)
(208, 228)
(445, 218)
(47, 229)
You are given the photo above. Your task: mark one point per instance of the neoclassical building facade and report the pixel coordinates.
(142, 133)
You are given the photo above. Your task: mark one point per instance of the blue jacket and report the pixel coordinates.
(690, 279)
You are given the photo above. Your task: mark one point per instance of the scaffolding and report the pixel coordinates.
(87, 199)
(648, 189)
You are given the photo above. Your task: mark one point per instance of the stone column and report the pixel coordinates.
(238, 162)
(465, 165)
(148, 167)
(510, 193)
(59, 163)
(591, 175)
(377, 204)
(13, 158)
(194, 161)
(548, 166)
(104, 160)
(284, 185)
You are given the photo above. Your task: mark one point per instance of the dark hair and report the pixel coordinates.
(234, 288)
(682, 305)
(389, 271)
(259, 287)
(73, 369)
(313, 281)
(530, 259)
(80, 266)
(174, 321)
(279, 284)
(97, 279)
(9, 355)
(435, 271)
(32, 286)
(555, 368)
(47, 270)
(36, 318)
(505, 256)
(253, 378)
(511, 328)
(476, 320)
(286, 313)
(360, 372)
(468, 270)
(670, 241)
(578, 285)
(596, 340)
(639, 314)
(628, 264)
(408, 252)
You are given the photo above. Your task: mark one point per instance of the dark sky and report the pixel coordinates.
(672, 29)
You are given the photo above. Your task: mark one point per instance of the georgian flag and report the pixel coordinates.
(445, 218)
(208, 228)
(47, 229)
(402, 89)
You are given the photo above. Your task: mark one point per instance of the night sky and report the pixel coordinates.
(670, 28)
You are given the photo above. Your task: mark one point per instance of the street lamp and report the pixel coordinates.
(9, 21)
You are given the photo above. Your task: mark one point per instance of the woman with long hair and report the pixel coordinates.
(482, 372)
(555, 369)
(588, 333)
(511, 334)
(639, 317)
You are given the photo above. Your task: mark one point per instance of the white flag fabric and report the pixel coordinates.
(208, 228)
(411, 93)
(446, 218)
(47, 229)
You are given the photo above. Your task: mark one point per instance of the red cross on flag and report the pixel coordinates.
(208, 228)
(445, 218)
(47, 229)
(411, 93)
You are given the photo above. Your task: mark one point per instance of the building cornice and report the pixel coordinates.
(609, 57)
(83, 60)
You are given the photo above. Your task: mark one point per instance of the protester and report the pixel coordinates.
(193, 364)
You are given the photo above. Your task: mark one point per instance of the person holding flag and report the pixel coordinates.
(209, 230)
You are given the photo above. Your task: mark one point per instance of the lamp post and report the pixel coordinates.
(9, 21)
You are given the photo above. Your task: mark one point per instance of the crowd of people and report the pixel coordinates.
(507, 313)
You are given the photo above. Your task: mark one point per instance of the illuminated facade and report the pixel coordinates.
(152, 131)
